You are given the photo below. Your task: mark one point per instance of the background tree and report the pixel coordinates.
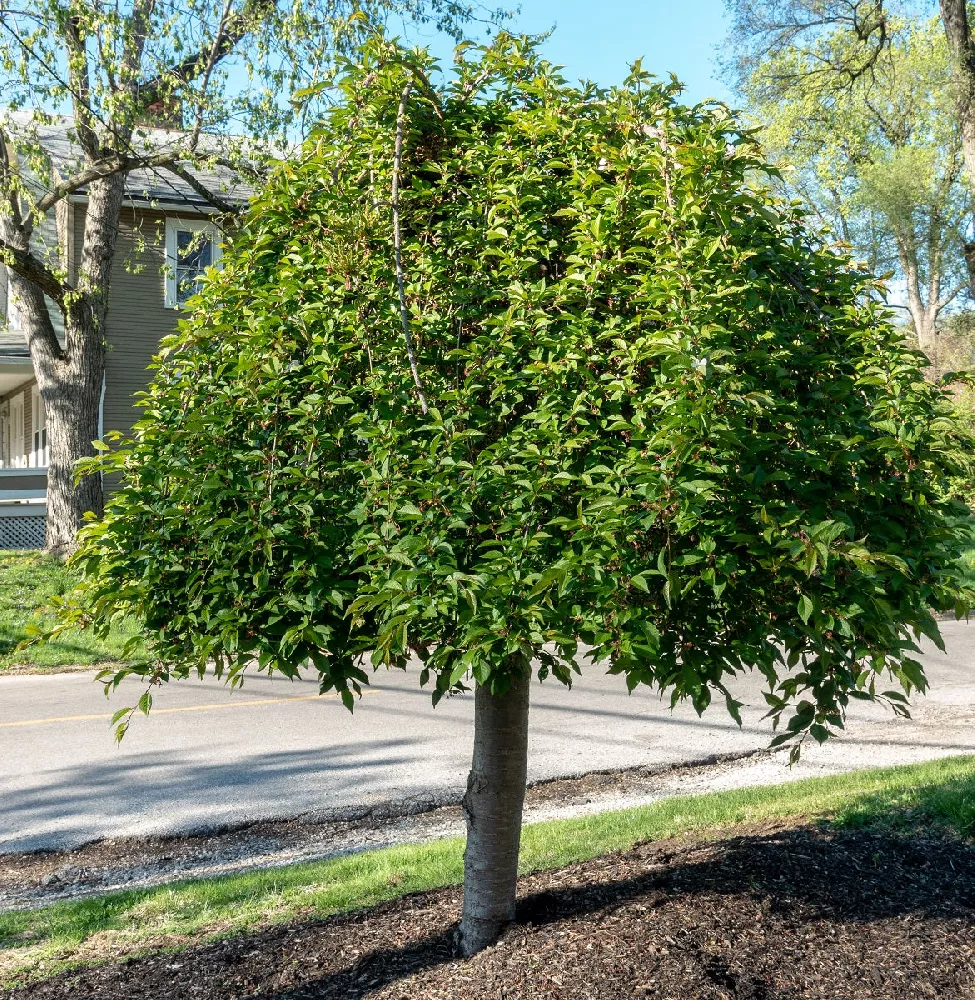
(878, 156)
(761, 28)
(504, 367)
(221, 68)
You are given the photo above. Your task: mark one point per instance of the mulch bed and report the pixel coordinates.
(775, 914)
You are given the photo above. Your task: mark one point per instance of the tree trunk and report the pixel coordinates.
(954, 18)
(72, 400)
(71, 384)
(926, 328)
(493, 807)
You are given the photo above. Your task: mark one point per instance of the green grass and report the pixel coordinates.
(936, 797)
(967, 562)
(28, 581)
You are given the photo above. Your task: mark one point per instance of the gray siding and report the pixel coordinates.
(50, 243)
(137, 316)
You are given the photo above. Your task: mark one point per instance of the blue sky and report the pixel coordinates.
(599, 39)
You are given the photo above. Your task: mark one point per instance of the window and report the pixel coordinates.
(191, 247)
(4, 435)
(38, 451)
(16, 427)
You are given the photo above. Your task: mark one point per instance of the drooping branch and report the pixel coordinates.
(398, 242)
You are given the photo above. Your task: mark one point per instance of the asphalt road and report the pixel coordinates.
(208, 757)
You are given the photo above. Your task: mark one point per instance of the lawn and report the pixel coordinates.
(936, 799)
(28, 581)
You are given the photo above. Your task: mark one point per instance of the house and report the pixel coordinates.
(167, 237)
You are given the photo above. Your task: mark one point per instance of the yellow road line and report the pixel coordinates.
(186, 708)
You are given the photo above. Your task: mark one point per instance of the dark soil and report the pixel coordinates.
(775, 915)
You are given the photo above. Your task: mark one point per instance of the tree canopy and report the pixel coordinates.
(507, 370)
(878, 156)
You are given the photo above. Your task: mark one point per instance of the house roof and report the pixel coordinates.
(147, 186)
(13, 344)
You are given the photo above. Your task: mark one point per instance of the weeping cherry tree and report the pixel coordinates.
(504, 374)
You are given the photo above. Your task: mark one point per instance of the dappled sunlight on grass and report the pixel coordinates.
(28, 581)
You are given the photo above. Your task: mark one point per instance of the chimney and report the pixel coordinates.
(164, 112)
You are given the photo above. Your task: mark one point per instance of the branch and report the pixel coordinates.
(104, 168)
(168, 160)
(224, 42)
(34, 270)
(397, 242)
(211, 62)
(6, 184)
(951, 295)
(139, 25)
(80, 77)
(42, 340)
(214, 199)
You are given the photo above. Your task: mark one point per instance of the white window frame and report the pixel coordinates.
(16, 425)
(4, 435)
(38, 437)
(173, 226)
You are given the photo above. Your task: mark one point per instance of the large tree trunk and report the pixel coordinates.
(954, 18)
(71, 383)
(72, 400)
(493, 807)
(925, 325)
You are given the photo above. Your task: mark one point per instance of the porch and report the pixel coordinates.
(23, 508)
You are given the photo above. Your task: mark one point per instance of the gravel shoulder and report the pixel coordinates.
(38, 878)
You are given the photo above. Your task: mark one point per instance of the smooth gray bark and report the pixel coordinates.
(493, 807)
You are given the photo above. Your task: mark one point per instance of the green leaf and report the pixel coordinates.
(805, 608)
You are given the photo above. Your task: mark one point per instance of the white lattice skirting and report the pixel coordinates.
(22, 532)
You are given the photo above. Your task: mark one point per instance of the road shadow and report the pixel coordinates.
(74, 801)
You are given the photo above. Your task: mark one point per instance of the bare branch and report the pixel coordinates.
(234, 30)
(6, 184)
(135, 42)
(115, 164)
(79, 74)
(211, 62)
(947, 300)
(42, 340)
(202, 190)
(103, 168)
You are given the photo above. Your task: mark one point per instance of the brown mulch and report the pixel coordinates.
(779, 914)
